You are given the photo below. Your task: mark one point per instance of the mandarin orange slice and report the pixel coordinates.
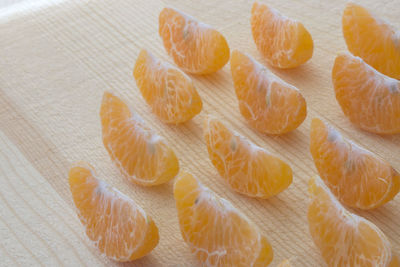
(141, 155)
(217, 233)
(194, 46)
(119, 227)
(343, 238)
(372, 39)
(356, 176)
(169, 91)
(248, 169)
(268, 103)
(370, 99)
(282, 41)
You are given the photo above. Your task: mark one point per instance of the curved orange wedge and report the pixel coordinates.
(356, 176)
(194, 46)
(372, 39)
(268, 103)
(343, 238)
(248, 169)
(217, 233)
(283, 42)
(141, 155)
(370, 99)
(169, 91)
(114, 222)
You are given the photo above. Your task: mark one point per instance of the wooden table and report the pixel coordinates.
(55, 63)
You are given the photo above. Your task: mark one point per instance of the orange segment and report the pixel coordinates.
(356, 176)
(268, 103)
(372, 39)
(141, 155)
(169, 91)
(343, 238)
(370, 99)
(114, 222)
(216, 232)
(284, 42)
(194, 46)
(247, 168)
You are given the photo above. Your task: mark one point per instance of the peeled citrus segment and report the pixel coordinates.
(268, 103)
(370, 99)
(372, 39)
(356, 176)
(169, 91)
(114, 222)
(141, 155)
(247, 168)
(343, 238)
(284, 42)
(194, 46)
(217, 233)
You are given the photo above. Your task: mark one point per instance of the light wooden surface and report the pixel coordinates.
(55, 63)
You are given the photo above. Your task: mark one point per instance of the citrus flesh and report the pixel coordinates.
(169, 91)
(119, 227)
(368, 98)
(344, 238)
(284, 42)
(248, 169)
(268, 103)
(194, 46)
(356, 176)
(216, 232)
(141, 155)
(372, 39)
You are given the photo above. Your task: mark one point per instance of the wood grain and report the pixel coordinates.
(57, 60)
